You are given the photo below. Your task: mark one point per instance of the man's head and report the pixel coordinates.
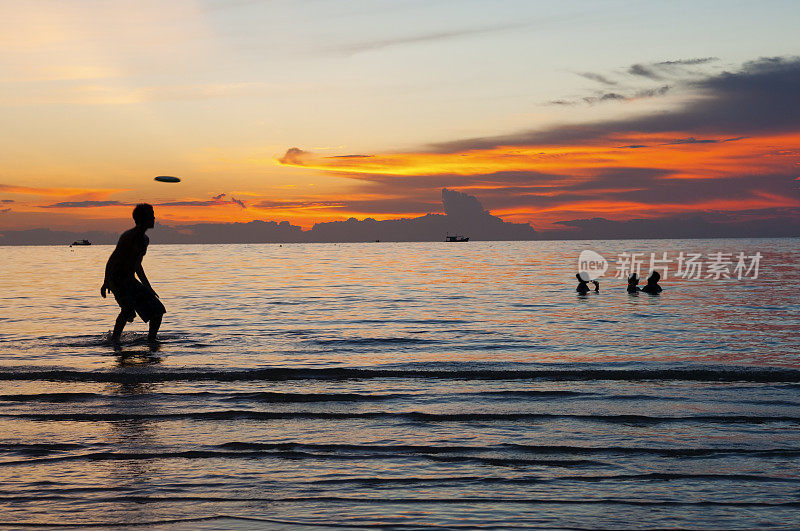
(144, 216)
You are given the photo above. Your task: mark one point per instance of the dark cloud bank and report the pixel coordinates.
(464, 215)
(761, 97)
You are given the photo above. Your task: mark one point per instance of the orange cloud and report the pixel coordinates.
(88, 193)
(546, 182)
(711, 158)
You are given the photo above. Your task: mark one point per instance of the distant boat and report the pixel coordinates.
(456, 238)
(81, 242)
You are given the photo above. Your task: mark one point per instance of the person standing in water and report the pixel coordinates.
(652, 286)
(124, 264)
(633, 283)
(583, 284)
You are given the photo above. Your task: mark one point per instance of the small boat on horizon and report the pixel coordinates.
(80, 242)
(449, 238)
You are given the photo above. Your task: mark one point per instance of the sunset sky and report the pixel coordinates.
(319, 110)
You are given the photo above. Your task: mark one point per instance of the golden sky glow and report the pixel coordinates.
(98, 98)
(722, 159)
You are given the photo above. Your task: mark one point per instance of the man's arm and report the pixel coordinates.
(107, 275)
(110, 265)
(113, 263)
(143, 279)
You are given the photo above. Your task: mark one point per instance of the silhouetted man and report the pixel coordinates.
(132, 295)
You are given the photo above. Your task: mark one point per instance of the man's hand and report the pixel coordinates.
(103, 289)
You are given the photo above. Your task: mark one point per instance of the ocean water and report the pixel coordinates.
(400, 385)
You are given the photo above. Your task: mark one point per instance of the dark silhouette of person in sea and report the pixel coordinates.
(583, 284)
(652, 286)
(633, 283)
(133, 296)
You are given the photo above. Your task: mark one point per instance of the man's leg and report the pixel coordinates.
(155, 324)
(118, 326)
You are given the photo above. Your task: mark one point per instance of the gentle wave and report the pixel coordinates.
(39, 448)
(468, 480)
(373, 341)
(533, 394)
(412, 416)
(167, 521)
(52, 397)
(246, 448)
(757, 375)
(545, 449)
(299, 455)
(495, 480)
(287, 397)
(422, 501)
(255, 396)
(270, 397)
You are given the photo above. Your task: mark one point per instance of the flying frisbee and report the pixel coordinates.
(167, 179)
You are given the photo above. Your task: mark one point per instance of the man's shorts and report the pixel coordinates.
(134, 298)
